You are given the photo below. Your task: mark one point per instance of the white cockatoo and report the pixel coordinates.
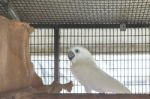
(90, 76)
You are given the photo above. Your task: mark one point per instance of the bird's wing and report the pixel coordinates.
(102, 82)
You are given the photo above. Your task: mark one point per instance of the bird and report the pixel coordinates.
(85, 70)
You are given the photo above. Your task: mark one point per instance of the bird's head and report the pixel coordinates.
(79, 54)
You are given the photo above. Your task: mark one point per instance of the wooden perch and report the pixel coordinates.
(55, 87)
(79, 96)
(91, 96)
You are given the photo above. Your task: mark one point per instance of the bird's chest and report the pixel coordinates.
(82, 73)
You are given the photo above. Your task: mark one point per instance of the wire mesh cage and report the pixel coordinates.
(123, 53)
(82, 11)
(41, 49)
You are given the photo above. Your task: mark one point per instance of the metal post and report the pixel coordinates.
(56, 54)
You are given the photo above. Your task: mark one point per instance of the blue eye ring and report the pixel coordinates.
(77, 50)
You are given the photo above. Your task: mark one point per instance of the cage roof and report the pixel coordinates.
(78, 11)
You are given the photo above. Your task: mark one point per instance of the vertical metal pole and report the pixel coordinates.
(56, 54)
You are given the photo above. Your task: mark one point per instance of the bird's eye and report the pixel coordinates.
(76, 50)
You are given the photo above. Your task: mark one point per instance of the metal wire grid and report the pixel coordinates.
(122, 54)
(4, 9)
(82, 11)
(42, 53)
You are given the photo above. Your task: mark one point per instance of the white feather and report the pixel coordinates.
(91, 77)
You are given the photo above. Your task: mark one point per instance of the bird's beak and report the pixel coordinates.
(71, 55)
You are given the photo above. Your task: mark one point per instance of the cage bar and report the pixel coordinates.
(56, 54)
